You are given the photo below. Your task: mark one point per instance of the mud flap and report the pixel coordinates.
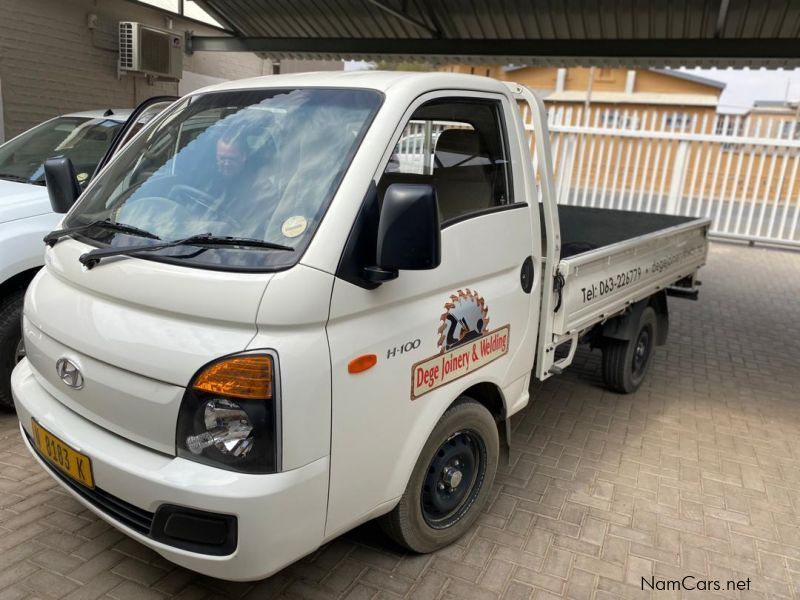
(505, 441)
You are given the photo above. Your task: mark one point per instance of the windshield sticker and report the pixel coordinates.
(294, 226)
(465, 342)
(81, 177)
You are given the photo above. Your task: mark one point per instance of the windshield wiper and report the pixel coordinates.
(51, 238)
(90, 259)
(17, 178)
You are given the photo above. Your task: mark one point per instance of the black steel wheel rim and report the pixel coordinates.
(641, 352)
(454, 479)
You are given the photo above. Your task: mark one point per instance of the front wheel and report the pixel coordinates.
(12, 349)
(451, 480)
(626, 362)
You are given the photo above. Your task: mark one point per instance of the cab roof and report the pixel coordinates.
(377, 80)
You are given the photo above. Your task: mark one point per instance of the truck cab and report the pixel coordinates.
(258, 328)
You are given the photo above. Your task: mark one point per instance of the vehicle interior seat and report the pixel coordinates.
(463, 175)
(390, 178)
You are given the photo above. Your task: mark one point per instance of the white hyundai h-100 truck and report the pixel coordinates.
(25, 212)
(286, 332)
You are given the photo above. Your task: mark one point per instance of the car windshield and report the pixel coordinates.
(258, 164)
(82, 140)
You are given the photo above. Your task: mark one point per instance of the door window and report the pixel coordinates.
(143, 119)
(459, 147)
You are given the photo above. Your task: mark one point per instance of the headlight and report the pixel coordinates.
(228, 428)
(229, 415)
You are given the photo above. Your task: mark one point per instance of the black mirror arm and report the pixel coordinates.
(379, 274)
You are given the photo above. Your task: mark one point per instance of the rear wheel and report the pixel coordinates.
(626, 362)
(451, 480)
(12, 349)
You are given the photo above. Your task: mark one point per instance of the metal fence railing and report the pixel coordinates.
(739, 171)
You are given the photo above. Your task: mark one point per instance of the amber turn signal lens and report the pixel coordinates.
(239, 377)
(362, 363)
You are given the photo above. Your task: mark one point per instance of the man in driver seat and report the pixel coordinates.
(240, 181)
(231, 158)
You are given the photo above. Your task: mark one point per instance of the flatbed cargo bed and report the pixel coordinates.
(612, 258)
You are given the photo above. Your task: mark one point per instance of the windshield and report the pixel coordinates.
(80, 139)
(259, 164)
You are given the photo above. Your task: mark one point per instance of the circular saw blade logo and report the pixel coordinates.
(466, 318)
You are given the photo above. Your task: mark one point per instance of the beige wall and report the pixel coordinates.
(604, 80)
(51, 62)
(770, 122)
(577, 79)
(648, 81)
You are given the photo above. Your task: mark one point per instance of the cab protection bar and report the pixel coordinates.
(545, 352)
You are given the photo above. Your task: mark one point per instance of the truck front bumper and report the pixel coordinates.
(278, 518)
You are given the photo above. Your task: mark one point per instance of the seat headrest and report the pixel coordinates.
(460, 147)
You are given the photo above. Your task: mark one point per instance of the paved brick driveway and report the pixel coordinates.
(697, 474)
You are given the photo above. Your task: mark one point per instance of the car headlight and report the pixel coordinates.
(229, 415)
(228, 428)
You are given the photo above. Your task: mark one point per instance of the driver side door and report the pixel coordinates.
(142, 114)
(460, 143)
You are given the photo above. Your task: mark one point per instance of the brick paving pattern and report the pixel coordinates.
(696, 474)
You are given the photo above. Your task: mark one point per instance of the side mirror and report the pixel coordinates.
(409, 237)
(62, 184)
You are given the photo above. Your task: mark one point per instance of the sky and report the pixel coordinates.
(744, 86)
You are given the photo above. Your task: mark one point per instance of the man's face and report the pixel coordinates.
(230, 158)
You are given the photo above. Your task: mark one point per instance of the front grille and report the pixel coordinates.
(129, 515)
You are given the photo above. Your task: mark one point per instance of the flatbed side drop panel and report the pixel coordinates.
(601, 283)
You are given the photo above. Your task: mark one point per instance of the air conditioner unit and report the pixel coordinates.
(146, 50)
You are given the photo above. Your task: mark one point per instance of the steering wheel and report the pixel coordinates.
(204, 199)
(181, 190)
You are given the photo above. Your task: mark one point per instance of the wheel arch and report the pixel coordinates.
(488, 394)
(491, 397)
(397, 522)
(626, 326)
(18, 281)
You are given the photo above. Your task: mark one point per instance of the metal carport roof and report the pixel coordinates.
(545, 32)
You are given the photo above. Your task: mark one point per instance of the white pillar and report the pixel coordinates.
(561, 78)
(678, 177)
(630, 81)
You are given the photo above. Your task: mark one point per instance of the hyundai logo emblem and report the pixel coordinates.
(69, 373)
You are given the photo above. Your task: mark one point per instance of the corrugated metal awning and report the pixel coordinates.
(533, 32)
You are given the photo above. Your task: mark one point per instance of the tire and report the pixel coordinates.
(462, 449)
(626, 362)
(10, 343)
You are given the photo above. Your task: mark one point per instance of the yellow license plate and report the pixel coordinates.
(66, 459)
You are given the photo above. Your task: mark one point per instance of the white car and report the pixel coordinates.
(243, 345)
(25, 211)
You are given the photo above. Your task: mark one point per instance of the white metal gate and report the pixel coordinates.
(739, 171)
